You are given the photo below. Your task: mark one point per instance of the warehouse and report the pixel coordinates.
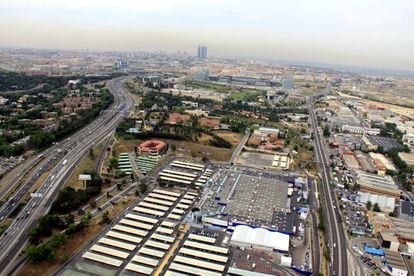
(386, 204)
(350, 162)
(260, 238)
(376, 184)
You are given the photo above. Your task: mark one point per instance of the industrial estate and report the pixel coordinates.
(183, 163)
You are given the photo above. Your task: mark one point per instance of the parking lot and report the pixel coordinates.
(356, 219)
(257, 160)
(386, 143)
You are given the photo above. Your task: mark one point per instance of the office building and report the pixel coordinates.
(202, 52)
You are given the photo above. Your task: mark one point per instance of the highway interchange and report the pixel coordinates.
(64, 157)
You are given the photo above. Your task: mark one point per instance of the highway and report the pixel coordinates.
(333, 225)
(74, 148)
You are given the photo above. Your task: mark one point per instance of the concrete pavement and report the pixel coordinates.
(15, 237)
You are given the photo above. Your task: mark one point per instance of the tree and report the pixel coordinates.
(142, 187)
(173, 147)
(376, 208)
(113, 163)
(369, 205)
(326, 131)
(105, 218)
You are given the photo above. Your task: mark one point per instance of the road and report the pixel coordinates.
(240, 146)
(313, 202)
(337, 239)
(15, 237)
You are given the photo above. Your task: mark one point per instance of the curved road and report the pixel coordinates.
(15, 237)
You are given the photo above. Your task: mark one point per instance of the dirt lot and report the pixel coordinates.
(197, 150)
(232, 137)
(125, 146)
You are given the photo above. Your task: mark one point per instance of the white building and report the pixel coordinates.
(386, 204)
(260, 238)
(408, 139)
(3, 101)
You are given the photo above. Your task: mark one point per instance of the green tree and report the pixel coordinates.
(376, 208)
(326, 131)
(369, 205)
(113, 163)
(142, 187)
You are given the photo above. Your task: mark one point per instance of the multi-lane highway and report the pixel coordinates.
(64, 160)
(337, 239)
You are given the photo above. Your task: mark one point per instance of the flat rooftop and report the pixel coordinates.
(252, 196)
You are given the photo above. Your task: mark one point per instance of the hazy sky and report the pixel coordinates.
(375, 33)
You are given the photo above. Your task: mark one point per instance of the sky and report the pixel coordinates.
(369, 33)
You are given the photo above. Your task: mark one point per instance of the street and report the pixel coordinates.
(15, 236)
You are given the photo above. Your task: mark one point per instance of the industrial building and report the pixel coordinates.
(183, 173)
(260, 238)
(395, 264)
(407, 210)
(382, 163)
(386, 204)
(365, 163)
(267, 193)
(376, 184)
(140, 239)
(350, 162)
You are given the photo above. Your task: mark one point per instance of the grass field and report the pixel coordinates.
(87, 164)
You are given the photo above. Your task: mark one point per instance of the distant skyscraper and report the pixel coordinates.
(202, 52)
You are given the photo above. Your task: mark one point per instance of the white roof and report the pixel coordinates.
(164, 197)
(384, 202)
(119, 244)
(261, 237)
(140, 269)
(109, 251)
(164, 192)
(102, 259)
(145, 260)
(124, 237)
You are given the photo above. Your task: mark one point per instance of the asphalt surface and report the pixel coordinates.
(73, 149)
(240, 146)
(337, 239)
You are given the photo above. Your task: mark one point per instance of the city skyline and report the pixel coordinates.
(370, 34)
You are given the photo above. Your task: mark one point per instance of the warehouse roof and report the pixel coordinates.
(261, 237)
